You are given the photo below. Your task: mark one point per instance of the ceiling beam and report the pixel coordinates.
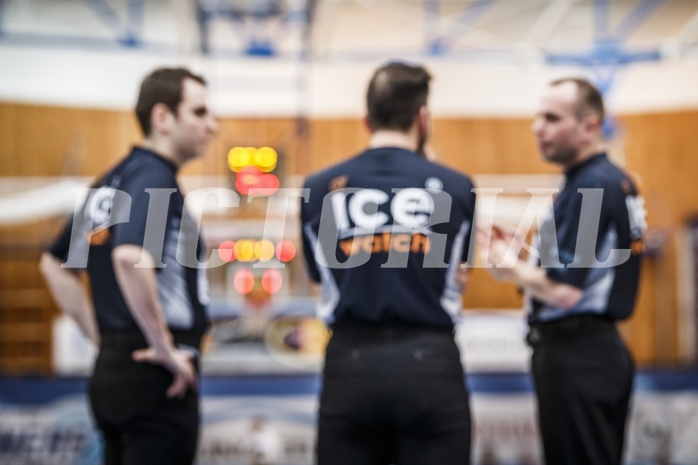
(689, 32)
(547, 23)
(186, 20)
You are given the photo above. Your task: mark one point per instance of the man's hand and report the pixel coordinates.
(498, 248)
(462, 278)
(135, 272)
(178, 362)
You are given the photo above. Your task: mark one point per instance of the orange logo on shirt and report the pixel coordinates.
(385, 242)
(98, 236)
(637, 247)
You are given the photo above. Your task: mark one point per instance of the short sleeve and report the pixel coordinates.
(309, 235)
(149, 196)
(577, 225)
(61, 245)
(469, 210)
(567, 229)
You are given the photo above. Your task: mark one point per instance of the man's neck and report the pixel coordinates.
(161, 148)
(584, 155)
(386, 138)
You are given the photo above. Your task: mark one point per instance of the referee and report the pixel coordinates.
(139, 246)
(585, 280)
(385, 234)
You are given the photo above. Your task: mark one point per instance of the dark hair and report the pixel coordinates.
(589, 99)
(395, 94)
(163, 85)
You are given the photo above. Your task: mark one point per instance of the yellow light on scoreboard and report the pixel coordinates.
(248, 250)
(240, 157)
(244, 250)
(264, 250)
(264, 158)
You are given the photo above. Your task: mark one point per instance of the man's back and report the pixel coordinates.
(385, 234)
(394, 226)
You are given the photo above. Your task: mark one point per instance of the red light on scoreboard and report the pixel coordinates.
(252, 167)
(226, 251)
(272, 281)
(285, 251)
(251, 180)
(243, 282)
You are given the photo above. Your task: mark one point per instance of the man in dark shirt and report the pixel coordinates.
(140, 249)
(584, 279)
(385, 233)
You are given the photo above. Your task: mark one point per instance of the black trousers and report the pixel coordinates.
(583, 377)
(139, 423)
(393, 395)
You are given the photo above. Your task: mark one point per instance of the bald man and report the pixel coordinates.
(583, 281)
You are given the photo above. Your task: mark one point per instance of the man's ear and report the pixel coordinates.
(423, 118)
(592, 125)
(161, 117)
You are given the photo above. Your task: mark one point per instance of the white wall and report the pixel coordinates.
(264, 87)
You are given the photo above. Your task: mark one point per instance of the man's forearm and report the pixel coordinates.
(139, 288)
(536, 282)
(68, 292)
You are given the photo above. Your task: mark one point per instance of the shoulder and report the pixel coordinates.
(145, 172)
(597, 172)
(335, 174)
(610, 177)
(451, 175)
(609, 183)
(439, 177)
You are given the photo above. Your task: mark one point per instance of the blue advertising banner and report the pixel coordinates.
(46, 421)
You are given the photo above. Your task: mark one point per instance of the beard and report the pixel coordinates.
(562, 155)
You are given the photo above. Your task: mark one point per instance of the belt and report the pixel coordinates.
(568, 327)
(132, 340)
(391, 329)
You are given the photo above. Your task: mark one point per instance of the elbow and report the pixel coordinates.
(128, 257)
(43, 264)
(121, 260)
(47, 264)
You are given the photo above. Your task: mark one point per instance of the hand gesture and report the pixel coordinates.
(498, 246)
(178, 362)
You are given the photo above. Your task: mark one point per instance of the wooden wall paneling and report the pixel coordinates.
(334, 140)
(282, 134)
(8, 140)
(107, 136)
(54, 141)
(661, 150)
(485, 292)
(488, 146)
(26, 310)
(639, 330)
(44, 136)
(278, 133)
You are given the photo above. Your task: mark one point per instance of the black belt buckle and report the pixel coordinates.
(534, 336)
